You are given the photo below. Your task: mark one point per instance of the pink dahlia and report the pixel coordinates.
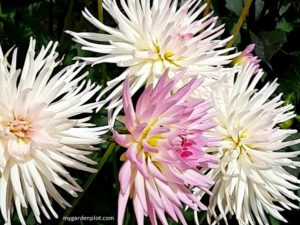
(247, 57)
(164, 153)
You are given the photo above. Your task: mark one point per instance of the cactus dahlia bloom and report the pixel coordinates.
(252, 181)
(152, 36)
(247, 57)
(164, 151)
(39, 134)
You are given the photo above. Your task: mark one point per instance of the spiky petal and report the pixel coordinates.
(247, 57)
(152, 37)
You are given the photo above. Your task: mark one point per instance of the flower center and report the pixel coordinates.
(20, 127)
(183, 149)
(188, 149)
(153, 140)
(235, 142)
(167, 57)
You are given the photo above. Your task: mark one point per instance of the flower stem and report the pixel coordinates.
(238, 25)
(206, 11)
(100, 11)
(89, 182)
(64, 42)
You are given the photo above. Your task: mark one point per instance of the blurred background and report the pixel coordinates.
(274, 26)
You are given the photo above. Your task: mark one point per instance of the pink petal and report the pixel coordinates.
(139, 185)
(125, 176)
(125, 140)
(138, 210)
(122, 202)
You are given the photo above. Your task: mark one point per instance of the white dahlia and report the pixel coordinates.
(152, 36)
(42, 131)
(251, 181)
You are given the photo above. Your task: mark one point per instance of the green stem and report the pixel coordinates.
(89, 182)
(64, 42)
(100, 11)
(103, 65)
(206, 11)
(238, 25)
(128, 217)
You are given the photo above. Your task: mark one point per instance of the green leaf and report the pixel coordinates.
(284, 26)
(284, 8)
(273, 221)
(286, 124)
(268, 43)
(189, 214)
(273, 42)
(201, 217)
(290, 99)
(235, 6)
(292, 148)
(292, 137)
(30, 219)
(295, 53)
(259, 6)
(289, 79)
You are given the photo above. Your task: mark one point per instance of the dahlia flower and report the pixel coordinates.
(39, 134)
(152, 37)
(252, 180)
(164, 151)
(247, 57)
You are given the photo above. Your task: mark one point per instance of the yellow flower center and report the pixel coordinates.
(166, 57)
(235, 141)
(152, 141)
(20, 127)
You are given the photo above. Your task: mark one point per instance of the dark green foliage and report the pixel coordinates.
(274, 26)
